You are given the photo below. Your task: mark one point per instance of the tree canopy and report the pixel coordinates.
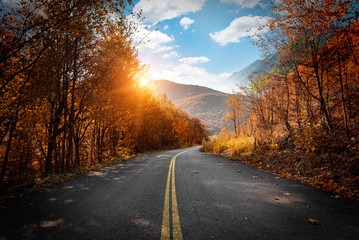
(70, 93)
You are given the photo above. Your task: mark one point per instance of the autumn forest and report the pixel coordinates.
(70, 93)
(301, 116)
(72, 96)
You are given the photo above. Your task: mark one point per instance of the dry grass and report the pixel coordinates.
(228, 142)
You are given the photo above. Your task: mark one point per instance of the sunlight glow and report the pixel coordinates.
(144, 82)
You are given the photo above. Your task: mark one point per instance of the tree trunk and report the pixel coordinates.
(342, 90)
(53, 133)
(8, 146)
(323, 105)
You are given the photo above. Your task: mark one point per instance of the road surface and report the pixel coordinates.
(179, 194)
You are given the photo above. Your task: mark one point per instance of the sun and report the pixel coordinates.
(144, 82)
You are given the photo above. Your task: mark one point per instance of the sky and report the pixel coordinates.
(199, 42)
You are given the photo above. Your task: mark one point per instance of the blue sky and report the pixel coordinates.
(199, 42)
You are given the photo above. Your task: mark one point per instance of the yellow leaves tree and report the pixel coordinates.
(68, 90)
(236, 108)
(312, 81)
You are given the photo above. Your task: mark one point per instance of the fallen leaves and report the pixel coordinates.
(288, 176)
(278, 198)
(314, 221)
(350, 195)
(329, 186)
(291, 164)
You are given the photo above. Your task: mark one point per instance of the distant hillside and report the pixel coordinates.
(241, 78)
(209, 107)
(206, 103)
(175, 91)
(202, 102)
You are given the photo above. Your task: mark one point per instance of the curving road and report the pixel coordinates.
(179, 194)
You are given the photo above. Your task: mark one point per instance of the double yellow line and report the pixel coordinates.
(176, 227)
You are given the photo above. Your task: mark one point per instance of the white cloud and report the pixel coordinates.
(186, 74)
(243, 3)
(153, 40)
(194, 60)
(162, 49)
(225, 75)
(170, 55)
(158, 10)
(156, 39)
(143, 38)
(186, 22)
(165, 27)
(241, 27)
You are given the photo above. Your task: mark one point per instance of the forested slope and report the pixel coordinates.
(201, 102)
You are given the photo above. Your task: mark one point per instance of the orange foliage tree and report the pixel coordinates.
(311, 47)
(69, 94)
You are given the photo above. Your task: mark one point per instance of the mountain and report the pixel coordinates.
(201, 102)
(175, 91)
(241, 78)
(208, 104)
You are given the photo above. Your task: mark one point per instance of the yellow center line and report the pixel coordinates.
(165, 230)
(177, 233)
(176, 227)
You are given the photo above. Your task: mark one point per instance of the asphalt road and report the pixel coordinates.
(136, 199)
